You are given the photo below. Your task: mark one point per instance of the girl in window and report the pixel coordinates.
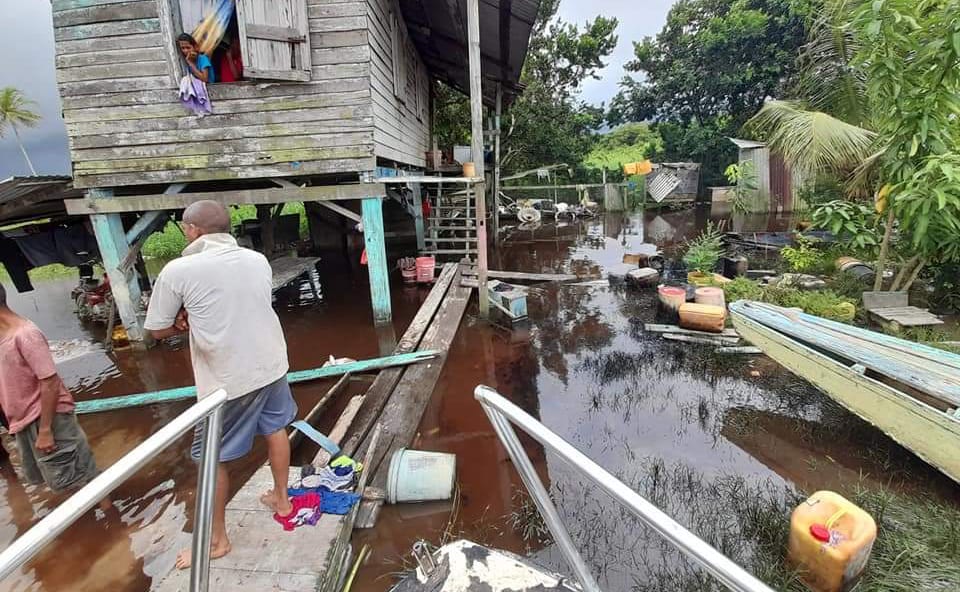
(199, 64)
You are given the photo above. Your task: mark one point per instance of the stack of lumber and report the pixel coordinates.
(728, 341)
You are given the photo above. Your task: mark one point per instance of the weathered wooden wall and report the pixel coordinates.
(400, 89)
(118, 78)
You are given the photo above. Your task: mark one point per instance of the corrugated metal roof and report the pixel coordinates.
(439, 30)
(25, 198)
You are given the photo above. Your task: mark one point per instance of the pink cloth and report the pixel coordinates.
(25, 360)
(306, 510)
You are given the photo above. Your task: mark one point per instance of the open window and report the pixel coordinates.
(250, 39)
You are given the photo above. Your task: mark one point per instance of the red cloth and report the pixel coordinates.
(225, 73)
(25, 360)
(305, 507)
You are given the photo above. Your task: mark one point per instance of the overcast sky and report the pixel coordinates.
(26, 44)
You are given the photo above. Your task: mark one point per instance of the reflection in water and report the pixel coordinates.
(696, 433)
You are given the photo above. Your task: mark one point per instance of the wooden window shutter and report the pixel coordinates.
(399, 63)
(275, 38)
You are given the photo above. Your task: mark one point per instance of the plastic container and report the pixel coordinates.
(712, 296)
(645, 277)
(699, 279)
(856, 267)
(420, 476)
(703, 317)
(408, 270)
(735, 267)
(672, 297)
(469, 169)
(617, 274)
(425, 270)
(830, 542)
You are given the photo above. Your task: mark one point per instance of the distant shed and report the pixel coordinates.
(776, 183)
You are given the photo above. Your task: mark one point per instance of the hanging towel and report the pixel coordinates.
(193, 95)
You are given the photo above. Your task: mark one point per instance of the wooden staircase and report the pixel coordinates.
(451, 230)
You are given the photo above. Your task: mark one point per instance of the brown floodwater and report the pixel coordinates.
(671, 420)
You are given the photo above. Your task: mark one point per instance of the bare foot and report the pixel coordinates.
(282, 506)
(217, 550)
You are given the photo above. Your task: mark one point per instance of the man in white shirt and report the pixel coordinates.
(222, 295)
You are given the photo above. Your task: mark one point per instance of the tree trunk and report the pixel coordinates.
(913, 276)
(903, 272)
(23, 149)
(884, 248)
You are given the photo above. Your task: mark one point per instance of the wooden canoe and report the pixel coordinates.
(930, 433)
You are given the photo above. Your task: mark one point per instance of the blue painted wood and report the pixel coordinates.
(377, 266)
(189, 392)
(386, 172)
(113, 245)
(145, 223)
(922, 367)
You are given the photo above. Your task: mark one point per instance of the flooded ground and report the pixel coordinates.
(701, 435)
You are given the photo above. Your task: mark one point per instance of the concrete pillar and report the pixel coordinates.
(112, 241)
(377, 266)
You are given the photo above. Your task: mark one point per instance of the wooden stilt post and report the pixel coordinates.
(113, 245)
(377, 260)
(418, 216)
(476, 133)
(496, 162)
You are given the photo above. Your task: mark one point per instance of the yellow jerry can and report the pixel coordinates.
(830, 542)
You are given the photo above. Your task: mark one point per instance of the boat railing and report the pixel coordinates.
(208, 410)
(504, 415)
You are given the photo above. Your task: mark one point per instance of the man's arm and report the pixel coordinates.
(49, 396)
(35, 351)
(166, 316)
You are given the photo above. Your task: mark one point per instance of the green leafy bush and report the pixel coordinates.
(854, 223)
(742, 288)
(803, 258)
(704, 251)
(822, 303)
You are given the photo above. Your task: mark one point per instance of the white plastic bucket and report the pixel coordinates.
(420, 476)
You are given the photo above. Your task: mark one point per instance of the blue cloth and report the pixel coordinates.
(204, 63)
(259, 413)
(331, 502)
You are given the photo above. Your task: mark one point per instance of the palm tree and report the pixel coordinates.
(15, 111)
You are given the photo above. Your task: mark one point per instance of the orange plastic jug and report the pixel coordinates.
(830, 542)
(703, 317)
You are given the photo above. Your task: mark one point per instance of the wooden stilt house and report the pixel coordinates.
(332, 99)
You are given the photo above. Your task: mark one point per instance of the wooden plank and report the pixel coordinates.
(112, 71)
(339, 430)
(932, 435)
(96, 87)
(875, 300)
(330, 25)
(525, 277)
(105, 13)
(377, 266)
(655, 328)
(93, 31)
(340, 39)
(189, 392)
(339, 55)
(120, 56)
(189, 122)
(87, 46)
(384, 383)
(252, 132)
(293, 169)
(407, 403)
(273, 33)
(287, 269)
(245, 196)
(203, 161)
(747, 349)
(715, 340)
(353, 138)
(167, 108)
(326, 11)
(219, 93)
(296, 436)
(430, 180)
(60, 5)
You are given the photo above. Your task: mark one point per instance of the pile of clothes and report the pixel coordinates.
(328, 490)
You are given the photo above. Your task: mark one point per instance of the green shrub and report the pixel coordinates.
(742, 288)
(804, 258)
(822, 303)
(704, 251)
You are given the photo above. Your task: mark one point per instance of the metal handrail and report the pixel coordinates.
(503, 413)
(210, 411)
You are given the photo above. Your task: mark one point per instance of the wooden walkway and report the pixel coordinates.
(264, 556)
(287, 269)
(309, 559)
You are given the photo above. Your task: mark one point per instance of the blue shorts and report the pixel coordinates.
(259, 413)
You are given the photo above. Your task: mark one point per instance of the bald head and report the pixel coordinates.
(207, 217)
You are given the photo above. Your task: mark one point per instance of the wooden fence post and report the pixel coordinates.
(377, 260)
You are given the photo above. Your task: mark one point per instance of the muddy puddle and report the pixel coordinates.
(697, 433)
